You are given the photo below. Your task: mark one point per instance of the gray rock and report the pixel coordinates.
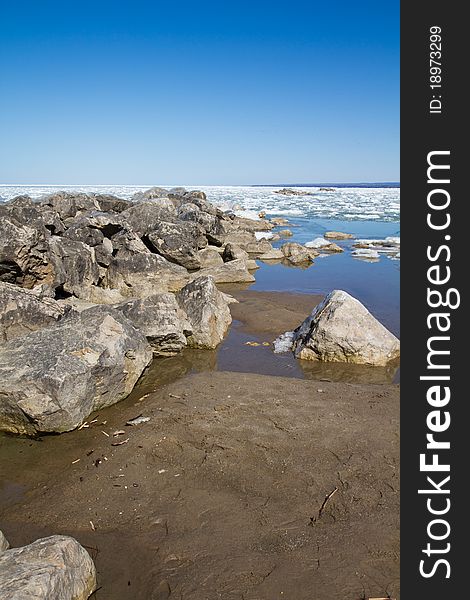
(22, 311)
(51, 379)
(108, 202)
(210, 257)
(23, 254)
(341, 329)
(150, 194)
(127, 243)
(145, 217)
(274, 254)
(215, 226)
(235, 271)
(29, 213)
(75, 264)
(297, 254)
(52, 568)
(246, 224)
(338, 235)
(207, 310)
(178, 242)
(161, 320)
(4, 545)
(144, 274)
(80, 232)
(69, 204)
(234, 252)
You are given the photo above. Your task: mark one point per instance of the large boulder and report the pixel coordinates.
(207, 310)
(53, 378)
(22, 311)
(178, 242)
(234, 252)
(4, 544)
(341, 329)
(69, 204)
(143, 274)
(76, 268)
(246, 224)
(144, 217)
(52, 568)
(23, 254)
(150, 194)
(27, 212)
(214, 225)
(162, 321)
(210, 257)
(108, 202)
(235, 271)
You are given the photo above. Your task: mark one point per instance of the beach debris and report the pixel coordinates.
(83, 425)
(174, 396)
(120, 443)
(92, 525)
(252, 344)
(160, 471)
(326, 500)
(119, 432)
(74, 462)
(104, 433)
(266, 343)
(320, 391)
(137, 420)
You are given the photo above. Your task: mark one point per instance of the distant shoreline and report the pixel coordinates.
(385, 184)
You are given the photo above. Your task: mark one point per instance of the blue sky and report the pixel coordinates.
(149, 92)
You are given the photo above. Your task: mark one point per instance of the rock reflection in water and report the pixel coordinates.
(163, 371)
(350, 373)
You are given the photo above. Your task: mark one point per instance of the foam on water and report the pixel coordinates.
(351, 204)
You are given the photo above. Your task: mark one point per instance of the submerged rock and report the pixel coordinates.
(338, 235)
(366, 253)
(207, 310)
(320, 243)
(52, 568)
(297, 254)
(341, 329)
(51, 379)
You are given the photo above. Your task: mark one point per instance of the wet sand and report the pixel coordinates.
(219, 495)
(241, 486)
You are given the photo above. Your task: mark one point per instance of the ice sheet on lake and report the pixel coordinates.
(379, 204)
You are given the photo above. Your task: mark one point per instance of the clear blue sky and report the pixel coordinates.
(199, 92)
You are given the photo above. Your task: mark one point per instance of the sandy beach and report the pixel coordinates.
(220, 493)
